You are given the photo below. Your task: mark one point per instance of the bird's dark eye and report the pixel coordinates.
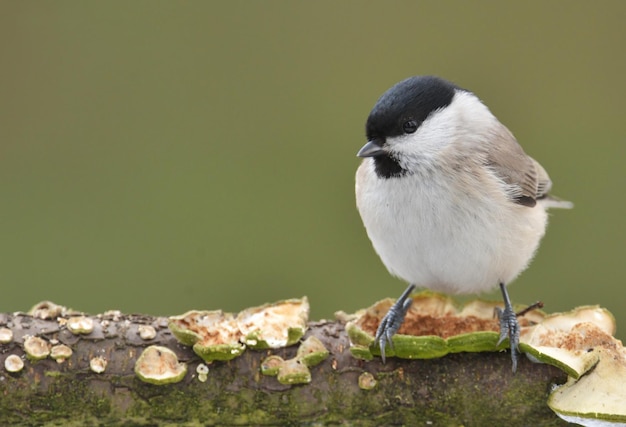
(410, 126)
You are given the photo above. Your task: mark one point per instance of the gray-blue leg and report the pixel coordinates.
(509, 326)
(392, 321)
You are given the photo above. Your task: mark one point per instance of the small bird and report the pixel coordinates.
(449, 199)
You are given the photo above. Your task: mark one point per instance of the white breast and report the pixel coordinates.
(450, 233)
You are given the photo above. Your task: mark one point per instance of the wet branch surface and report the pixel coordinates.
(459, 389)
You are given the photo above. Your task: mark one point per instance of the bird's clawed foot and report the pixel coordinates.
(509, 326)
(392, 321)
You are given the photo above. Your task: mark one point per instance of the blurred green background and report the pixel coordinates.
(161, 156)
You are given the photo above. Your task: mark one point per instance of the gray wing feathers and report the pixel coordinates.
(513, 166)
(544, 184)
(528, 180)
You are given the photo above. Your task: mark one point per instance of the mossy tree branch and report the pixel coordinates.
(459, 389)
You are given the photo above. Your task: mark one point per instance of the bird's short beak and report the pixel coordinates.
(373, 148)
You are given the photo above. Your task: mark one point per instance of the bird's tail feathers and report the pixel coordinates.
(551, 201)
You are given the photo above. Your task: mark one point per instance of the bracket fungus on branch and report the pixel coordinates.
(159, 365)
(311, 352)
(330, 363)
(434, 326)
(216, 335)
(13, 363)
(579, 342)
(6, 335)
(60, 352)
(36, 348)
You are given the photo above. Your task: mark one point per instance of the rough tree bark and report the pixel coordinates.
(460, 389)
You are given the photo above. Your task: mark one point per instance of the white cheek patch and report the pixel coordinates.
(461, 123)
(422, 148)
